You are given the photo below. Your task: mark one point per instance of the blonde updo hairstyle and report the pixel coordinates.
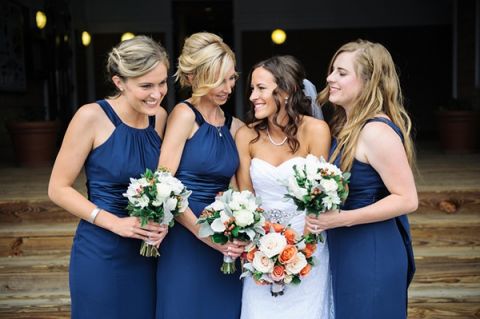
(135, 57)
(203, 63)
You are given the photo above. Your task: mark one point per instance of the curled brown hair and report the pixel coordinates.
(288, 74)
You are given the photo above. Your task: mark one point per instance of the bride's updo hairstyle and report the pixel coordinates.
(203, 63)
(135, 57)
(288, 74)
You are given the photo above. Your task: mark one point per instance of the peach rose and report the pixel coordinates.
(287, 254)
(290, 235)
(305, 270)
(278, 273)
(309, 250)
(251, 254)
(278, 227)
(267, 226)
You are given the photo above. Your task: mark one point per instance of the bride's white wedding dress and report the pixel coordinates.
(312, 298)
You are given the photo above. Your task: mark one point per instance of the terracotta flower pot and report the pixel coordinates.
(34, 143)
(458, 131)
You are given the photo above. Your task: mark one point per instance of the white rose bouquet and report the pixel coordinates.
(156, 196)
(279, 258)
(233, 215)
(317, 187)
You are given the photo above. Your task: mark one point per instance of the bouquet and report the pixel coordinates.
(317, 187)
(156, 196)
(279, 258)
(233, 215)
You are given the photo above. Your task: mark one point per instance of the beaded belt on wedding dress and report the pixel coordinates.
(280, 216)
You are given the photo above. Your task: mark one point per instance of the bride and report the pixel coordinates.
(281, 136)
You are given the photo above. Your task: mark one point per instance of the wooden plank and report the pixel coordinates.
(463, 201)
(55, 281)
(453, 310)
(441, 236)
(16, 212)
(460, 271)
(35, 246)
(33, 264)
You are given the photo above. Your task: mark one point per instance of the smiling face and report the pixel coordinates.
(262, 85)
(145, 93)
(219, 95)
(344, 83)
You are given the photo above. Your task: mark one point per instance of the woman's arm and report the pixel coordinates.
(318, 137)
(85, 131)
(242, 139)
(383, 149)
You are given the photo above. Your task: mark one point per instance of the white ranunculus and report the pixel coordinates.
(170, 204)
(296, 190)
(217, 205)
(163, 191)
(297, 264)
(243, 217)
(272, 244)
(262, 263)
(234, 204)
(329, 185)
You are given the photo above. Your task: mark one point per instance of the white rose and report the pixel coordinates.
(331, 168)
(272, 244)
(163, 191)
(297, 264)
(287, 279)
(243, 217)
(262, 263)
(329, 185)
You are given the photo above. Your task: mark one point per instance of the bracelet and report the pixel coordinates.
(93, 215)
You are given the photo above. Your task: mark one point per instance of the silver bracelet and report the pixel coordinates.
(93, 215)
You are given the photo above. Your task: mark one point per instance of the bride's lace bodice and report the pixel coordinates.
(312, 299)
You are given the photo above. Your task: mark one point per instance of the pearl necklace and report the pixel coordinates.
(275, 143)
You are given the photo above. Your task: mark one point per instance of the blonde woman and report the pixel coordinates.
(115, 139)
(199, 149)
(371, 255)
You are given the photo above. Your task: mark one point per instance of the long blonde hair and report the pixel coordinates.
(381, 93)
(204, 63)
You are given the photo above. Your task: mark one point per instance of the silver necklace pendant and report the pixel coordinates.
(275, 143)
(219, 130)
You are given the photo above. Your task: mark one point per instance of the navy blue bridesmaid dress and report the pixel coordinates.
(108, 276)
(190, 284)
(371, 264)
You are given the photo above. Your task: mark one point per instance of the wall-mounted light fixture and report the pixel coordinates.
(127, 36)
(86, 38)
(278, 36)
(41, 19)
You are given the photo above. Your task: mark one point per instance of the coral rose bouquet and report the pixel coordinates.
(233, 215)
(316, 187)
(281, 257)
(156, 196)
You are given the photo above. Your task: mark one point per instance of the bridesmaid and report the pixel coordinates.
(199, 149)
(115, 138)
(371, 254)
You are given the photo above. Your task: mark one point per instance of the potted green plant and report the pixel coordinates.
(34, 139)
(458, 124)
